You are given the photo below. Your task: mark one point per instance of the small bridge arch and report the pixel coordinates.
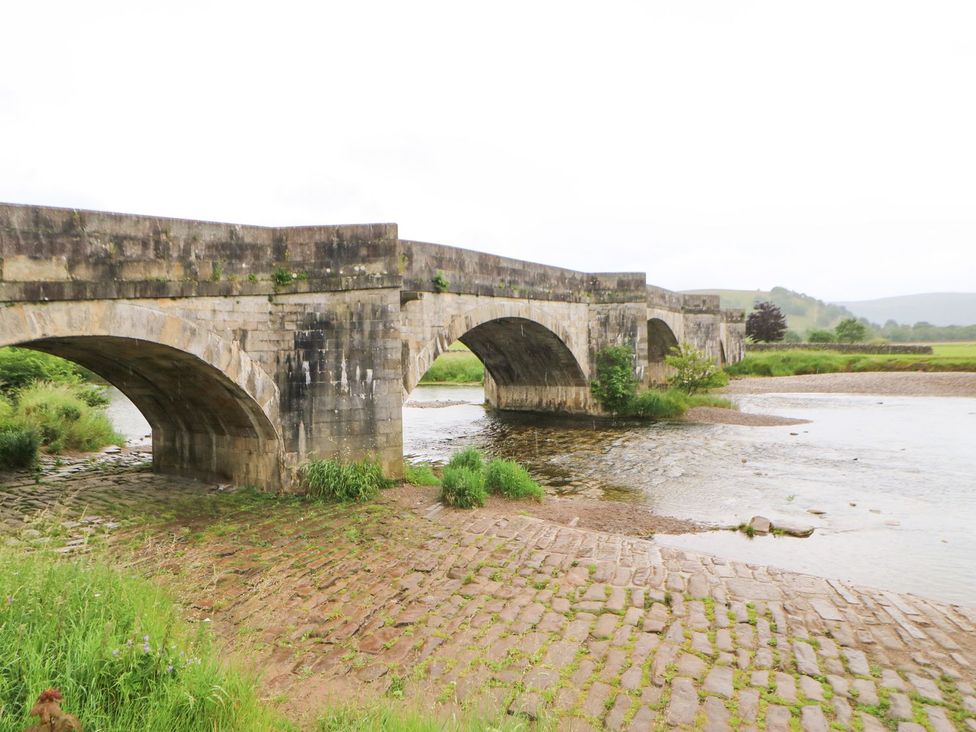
(528, 354)
(212, 409)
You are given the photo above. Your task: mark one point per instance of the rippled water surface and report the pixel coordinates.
(895, 478)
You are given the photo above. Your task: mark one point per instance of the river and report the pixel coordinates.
(893, 479)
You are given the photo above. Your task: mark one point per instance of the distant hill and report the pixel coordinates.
(937, 308)
(803, 312)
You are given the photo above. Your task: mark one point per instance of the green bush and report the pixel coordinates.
(336, 481)
(654, 404)
(511, 480)
(18, 448)
(470, 458)
(693, 370)
(615, 384)
(420, 474)
(117, 648)
(62, 416)
(463, 487)
(821, 336)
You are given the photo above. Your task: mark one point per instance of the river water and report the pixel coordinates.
(894, 477)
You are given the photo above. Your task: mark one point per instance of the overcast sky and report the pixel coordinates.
(828, 147)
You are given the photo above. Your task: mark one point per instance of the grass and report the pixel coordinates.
(509, 479)
(455, 366)
(333, 480)
(420, 474)
(18, 448)
(657, 404)
(64, 416)
(946, 357)
(386, 718)
(116, 648)
(462, 487)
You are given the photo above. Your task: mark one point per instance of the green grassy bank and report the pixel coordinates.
(945, 357)
(455, 366)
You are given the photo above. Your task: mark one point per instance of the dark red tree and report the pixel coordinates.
(766, 323)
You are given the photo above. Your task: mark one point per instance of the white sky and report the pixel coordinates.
(829, 147)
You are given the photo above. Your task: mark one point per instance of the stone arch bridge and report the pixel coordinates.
(251, 349)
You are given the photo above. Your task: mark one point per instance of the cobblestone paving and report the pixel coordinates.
(492, 614)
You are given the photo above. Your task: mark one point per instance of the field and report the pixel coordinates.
(945, 357)
(455, 366)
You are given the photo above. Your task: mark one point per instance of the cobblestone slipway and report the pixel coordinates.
(491, 613)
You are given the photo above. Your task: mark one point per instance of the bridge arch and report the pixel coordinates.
(520, 344)
(212, 409)
(660, 340)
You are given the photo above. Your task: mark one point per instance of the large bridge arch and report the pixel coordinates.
(213, 410)
(533, 359)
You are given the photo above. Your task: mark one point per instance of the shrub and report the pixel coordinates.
(63, 418)
(463, 487)
(18, 448)
(851, 330)
(421, 474)
(337, 481)
(694, 371)
(615, 384)
(470, 458)
(821, 336)
(117, 648)
(654, 404)
(511, 480)
(440, 282)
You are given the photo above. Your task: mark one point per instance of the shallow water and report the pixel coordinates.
(894, 476)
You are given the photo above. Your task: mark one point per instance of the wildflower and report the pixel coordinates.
(115, 652)
(145, 639)
(169, 669)
(145, 648)
(10, 600)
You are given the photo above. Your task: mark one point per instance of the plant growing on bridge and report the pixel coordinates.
(615, 385)
(337, 481)
(693, 370)
(440, 282)
(766, 323)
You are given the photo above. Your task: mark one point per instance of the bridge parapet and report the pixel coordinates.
(49, 254)
(476, 273)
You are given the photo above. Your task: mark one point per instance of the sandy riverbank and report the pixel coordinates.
(915, 383)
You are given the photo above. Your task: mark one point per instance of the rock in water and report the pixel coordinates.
(795, 530)
(760, 524)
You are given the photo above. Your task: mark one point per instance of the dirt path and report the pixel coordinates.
(889, 383)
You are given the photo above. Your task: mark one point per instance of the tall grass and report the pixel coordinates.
(337, 481)
(463, 487)
(116, 648)
(509, 479)
(420, 474)
(63, 417)
(385, 718)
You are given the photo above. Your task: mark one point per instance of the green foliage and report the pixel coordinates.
(656, 404)
(463, 487)
(18, 448)
(62, 417)
(440, 282)
(20, 367)
(118, 650)
(821, 336)
(420, 474)
(791, 336)
(851, 330)
(455, 367)
(615, 384)
(789, 363)
(470, 458)
(389, 718)
(281, 276)
(766, 323)
(511, 480)
(693, 370)
(333, 480)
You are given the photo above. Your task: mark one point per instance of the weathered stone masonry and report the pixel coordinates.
(250, 349)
